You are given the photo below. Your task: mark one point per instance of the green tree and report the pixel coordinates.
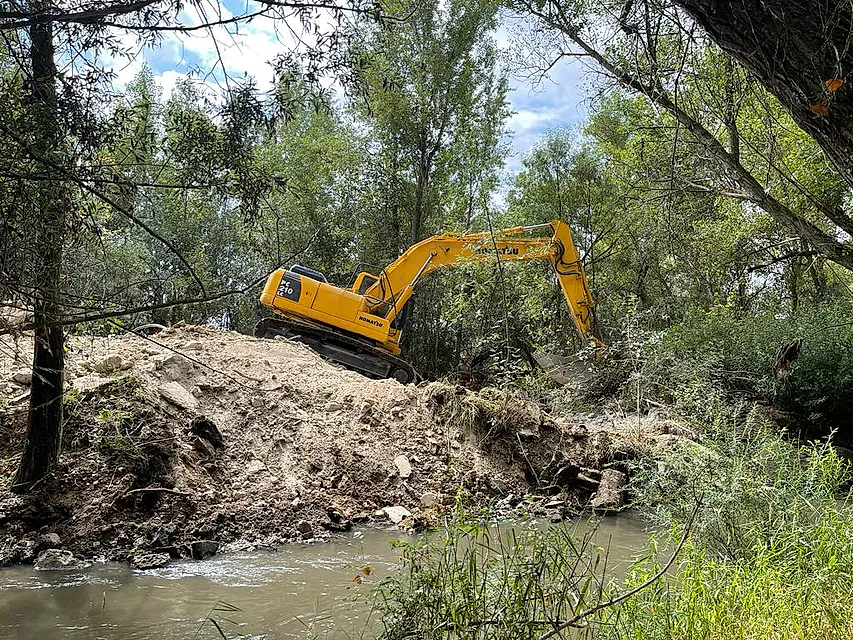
(435, 102)
(60, 129)
(649, 49)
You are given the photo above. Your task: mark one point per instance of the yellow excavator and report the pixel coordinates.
(360, 326)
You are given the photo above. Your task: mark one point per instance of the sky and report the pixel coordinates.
(554, 103)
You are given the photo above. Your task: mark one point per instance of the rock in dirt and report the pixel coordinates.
(204, 427)
(144, 561)
(430, 499)
(23, 377)
(255, 466)
(305, 528)
(193, 345)
(48, 541)
(109, 364)
(90, 383)
(55, 559)
(396, 514)
(176, 394)
(173, 366)
(610, 496)
(404, 467)
(202, 549)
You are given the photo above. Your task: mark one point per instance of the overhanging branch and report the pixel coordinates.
(552, 15)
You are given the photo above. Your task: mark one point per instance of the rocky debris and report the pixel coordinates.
(172, 366)
(430, 499)
(90, 383)
(404, 467)
(177, 394)
(21, 552)
(202, 549)
(193, 345)
(110, 364)
(254, 467)
(204, 428)
(164, 538)
(56, 559)
(23, 377)
(338, 519)
(143, 561)
(395, 514)
(48, 541)
(269, 435)
(610, 495)
(203, 447)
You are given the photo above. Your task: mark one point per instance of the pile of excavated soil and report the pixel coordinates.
(197, 440)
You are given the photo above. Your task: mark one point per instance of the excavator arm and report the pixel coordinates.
(387, 294)
(361, 326)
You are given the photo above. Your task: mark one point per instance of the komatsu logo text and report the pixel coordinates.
(503, 251)
(375, 323)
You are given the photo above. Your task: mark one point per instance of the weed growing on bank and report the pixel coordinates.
(472, 580)
(769, 555)
(796, 585)
(771, 550)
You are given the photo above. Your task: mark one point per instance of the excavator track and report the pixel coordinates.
(339, 347)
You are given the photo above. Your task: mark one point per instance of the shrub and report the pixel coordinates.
(471, 580)
(727, 355)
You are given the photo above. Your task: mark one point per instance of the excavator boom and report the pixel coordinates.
(361, 326)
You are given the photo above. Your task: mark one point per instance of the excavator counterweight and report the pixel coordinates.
(361, 326)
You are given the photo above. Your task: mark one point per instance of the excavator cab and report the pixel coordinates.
(363, 281)
(308, 272)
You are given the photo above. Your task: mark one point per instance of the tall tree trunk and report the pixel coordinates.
(44, 422)
(421, 184)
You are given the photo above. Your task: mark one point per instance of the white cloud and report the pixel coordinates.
(167, 81)
(539, 108)
(249, 48)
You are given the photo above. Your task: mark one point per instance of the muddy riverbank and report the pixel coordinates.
(199, 441)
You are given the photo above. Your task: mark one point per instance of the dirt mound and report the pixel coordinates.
(200, 435)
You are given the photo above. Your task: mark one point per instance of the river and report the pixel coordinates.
(301, 591)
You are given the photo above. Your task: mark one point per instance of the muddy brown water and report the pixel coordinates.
(301, 591)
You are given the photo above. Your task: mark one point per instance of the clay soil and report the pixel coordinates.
(200, 435)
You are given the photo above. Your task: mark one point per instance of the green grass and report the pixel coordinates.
(800, 586)
(771, 554)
